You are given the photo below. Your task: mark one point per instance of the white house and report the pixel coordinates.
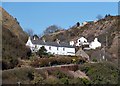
(84, 23)
(95, 44)
(82, 41)
(51, 47)
(72, 43)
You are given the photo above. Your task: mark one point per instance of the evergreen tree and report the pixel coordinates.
(42, 52)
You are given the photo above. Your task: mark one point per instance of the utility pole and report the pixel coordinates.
(106, 45)
(106, 39)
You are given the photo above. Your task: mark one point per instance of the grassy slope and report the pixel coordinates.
(99, 73)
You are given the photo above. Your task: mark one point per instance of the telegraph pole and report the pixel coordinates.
(106, 44)
(106, 39)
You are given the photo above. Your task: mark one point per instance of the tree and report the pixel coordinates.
(42, 52)
(30, 32)
(78, 24)
(51, 29)
(107, 15)
(99, 17)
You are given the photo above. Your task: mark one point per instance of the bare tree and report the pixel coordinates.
(30, 32)
(51, 29)
(99, 17)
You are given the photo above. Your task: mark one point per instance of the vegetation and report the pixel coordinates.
(43, 62)
(51, 29)
(13, 41)
(99, 17)
(30, 32)
(94, 60)
(42, 52)
(12, 49)
(33, 76)
(101, 73)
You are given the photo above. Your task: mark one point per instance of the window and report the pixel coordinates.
(63, 49)
(35, 46)
(49, 48)
(57, 48)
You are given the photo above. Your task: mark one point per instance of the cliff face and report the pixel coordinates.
(11, 23)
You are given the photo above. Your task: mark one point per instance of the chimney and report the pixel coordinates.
(58, 41)
(29, 38)
(43, 39)
(34, 38)
(71, 43)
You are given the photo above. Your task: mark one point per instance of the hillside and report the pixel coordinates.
(98, 73)
(90, 30)
(11, 23)
(13, 41)
(106, 28)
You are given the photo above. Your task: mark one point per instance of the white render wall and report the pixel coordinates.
(60, 51)
(53, 50)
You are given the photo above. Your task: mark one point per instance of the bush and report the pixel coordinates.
(64, 80)
(12, 49)
(38, 79)
(101, 73)
(42, 51)
(94, 60)
(59, 74)
(24, 75)
(41, 62)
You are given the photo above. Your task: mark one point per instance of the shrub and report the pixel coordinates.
(59, 74)
(41, 62)
(85, 81)
(38, 79)
(94, 60)
(101, 73)
(64, 80)
(42, 52)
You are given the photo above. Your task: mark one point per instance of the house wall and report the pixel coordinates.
(53, 50)
(29, 43)
(58, 50)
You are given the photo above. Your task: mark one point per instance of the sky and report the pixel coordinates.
(40, 15)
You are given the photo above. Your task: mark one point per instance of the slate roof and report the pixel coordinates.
(61, 44)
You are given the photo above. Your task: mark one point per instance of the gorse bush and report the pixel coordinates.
(42, 62)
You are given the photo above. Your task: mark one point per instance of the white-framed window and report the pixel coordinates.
(63, 49)
(49, 48)
(57, 48)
